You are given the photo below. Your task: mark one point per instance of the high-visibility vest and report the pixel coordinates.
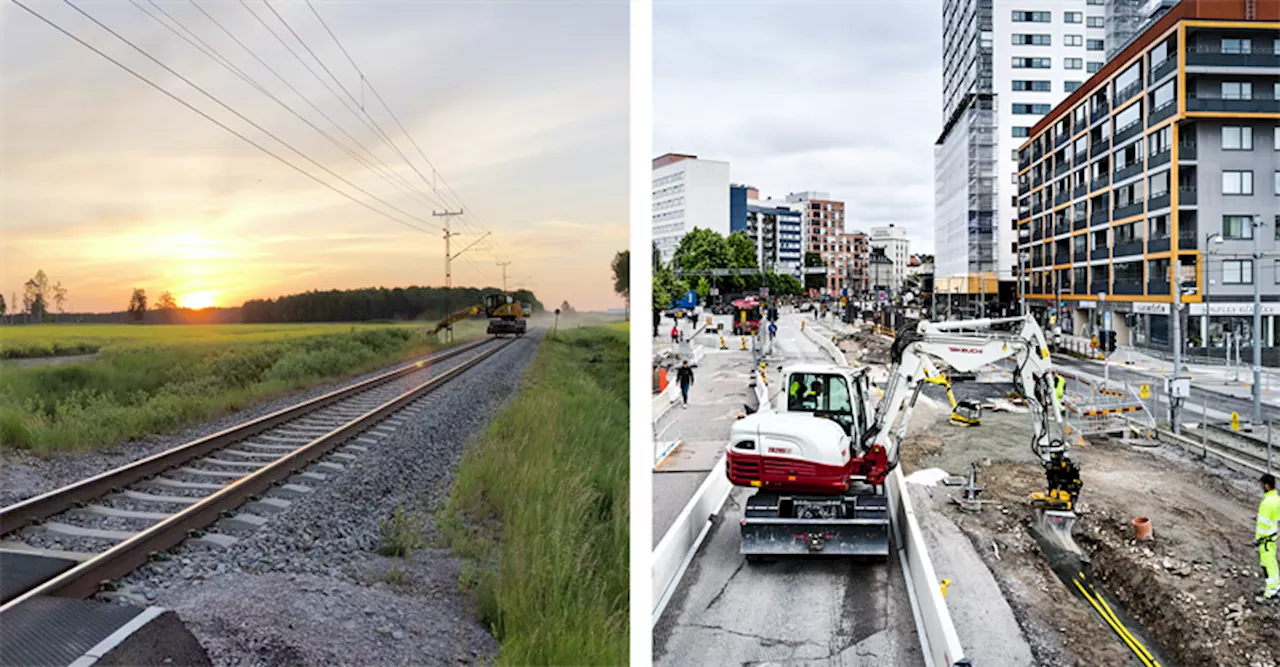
(1061, 389)
(1268, 515)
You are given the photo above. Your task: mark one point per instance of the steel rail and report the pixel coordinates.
(24, 513)
(87, 578)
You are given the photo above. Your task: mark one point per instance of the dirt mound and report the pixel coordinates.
(864, 346)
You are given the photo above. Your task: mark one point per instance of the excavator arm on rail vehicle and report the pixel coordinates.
(821, 481)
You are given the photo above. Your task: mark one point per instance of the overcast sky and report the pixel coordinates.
(521, 106)
(838, 97)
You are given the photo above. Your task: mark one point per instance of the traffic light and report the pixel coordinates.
(1108, 341)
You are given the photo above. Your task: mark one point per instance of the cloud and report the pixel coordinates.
(835, 97)
(522, 107)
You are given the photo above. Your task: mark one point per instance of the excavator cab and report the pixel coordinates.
(826, 391)
(504, 314)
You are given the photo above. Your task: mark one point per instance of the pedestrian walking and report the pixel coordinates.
(1264, 538)
(675, 334)
(684, 378)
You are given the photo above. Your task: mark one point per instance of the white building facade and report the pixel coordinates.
(1006, 63)
(688, 194)
(897, 247)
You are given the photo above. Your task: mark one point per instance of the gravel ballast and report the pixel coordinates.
(24, 475)
(309, 586)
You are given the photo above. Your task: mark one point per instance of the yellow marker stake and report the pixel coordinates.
(945, 583)
(1235, 421)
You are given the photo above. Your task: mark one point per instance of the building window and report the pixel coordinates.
(1094, 68)
(1097, 22)
(1275, 138)
(1073, 17)
(1237, 182)
(1237, 227)
(1237, 272)
(1237, 138)
(1096, 45)
(1030, 109)
(1036, 86)
(1073, 40)
(1032, 40)
(1276, 186)
(1019, 132)
(1031, 63)
(1237, 90)
(1070, 86)
(1237, 46)
(1031, 17)
(1073, 63)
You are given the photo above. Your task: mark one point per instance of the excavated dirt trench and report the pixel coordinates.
(1191, 588)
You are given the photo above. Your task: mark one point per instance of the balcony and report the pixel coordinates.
(1162, 68)
(1126, 211)
(1080, 256)
(1080, 288)
(1024, 212)
(1127, 171)
(1080, 191)
(1080, 223)
(1036, 206)
(1062, 168)
(1126, 249)
(1081, 157)
(1158, 288)
(1062, 227)
(1098, 148)
(1159, 158)
(1211, 55)
(1037, 231)
(1126, 288)
(1036, 152)
(1062, 198)
(1101, 112)
(1187, 238)
(1099, 183)
(1127, 132)
(1099, 218)
(1100, 253)
(1162, 112)
(1261, 103)
(1187, 197)
(1158, 245)
(1061, 139)
(1125, 94)
(1158, 202)
(1186, 150)
(1024, 161)
(1036, 179)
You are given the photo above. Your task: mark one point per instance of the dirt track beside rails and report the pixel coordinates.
(1191, 588)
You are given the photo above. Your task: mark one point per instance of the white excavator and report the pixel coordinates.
(819, 457)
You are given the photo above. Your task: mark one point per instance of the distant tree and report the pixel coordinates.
(166, 302)
(4, 308)
(35, 296)
(60, 297)
(622, 277)
(785, 285)
(565, 308)
(138, 304)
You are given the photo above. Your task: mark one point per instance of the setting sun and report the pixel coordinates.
(198, 300)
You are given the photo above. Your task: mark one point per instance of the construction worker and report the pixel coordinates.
(684, 378)
(1265, 539)
(1060, 389)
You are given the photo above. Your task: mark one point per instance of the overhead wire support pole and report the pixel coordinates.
(504, 266)
(448, 263)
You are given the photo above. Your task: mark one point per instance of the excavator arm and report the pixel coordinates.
(458, 316)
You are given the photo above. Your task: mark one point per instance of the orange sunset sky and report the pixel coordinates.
(110, 185)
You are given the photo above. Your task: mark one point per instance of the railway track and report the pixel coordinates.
(118, 520)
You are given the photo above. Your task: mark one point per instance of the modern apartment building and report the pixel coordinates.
(775, 227)
(824, 232)
(1126, 19)
(1005, 64)
(1160, 176)
(688, 193)
(893, 240)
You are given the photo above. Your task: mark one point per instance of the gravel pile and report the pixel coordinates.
(24, 475)
(309, 586)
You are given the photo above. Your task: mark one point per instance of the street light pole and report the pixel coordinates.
(1257, 322)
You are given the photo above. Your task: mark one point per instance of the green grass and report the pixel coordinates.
(540, 503)
(155, 383)
(48, 340)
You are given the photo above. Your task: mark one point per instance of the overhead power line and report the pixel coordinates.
(206, 116)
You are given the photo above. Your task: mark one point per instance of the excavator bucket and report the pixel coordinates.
(1052, 531)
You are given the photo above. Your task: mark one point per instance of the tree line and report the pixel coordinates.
(703, 249)
(374, 303)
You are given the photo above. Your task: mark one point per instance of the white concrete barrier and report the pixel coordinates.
(938, 636)
(674, 553)
(824, 341)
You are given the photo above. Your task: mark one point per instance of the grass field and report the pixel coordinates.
(541, 503)
(157, 379)
(46, 340)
